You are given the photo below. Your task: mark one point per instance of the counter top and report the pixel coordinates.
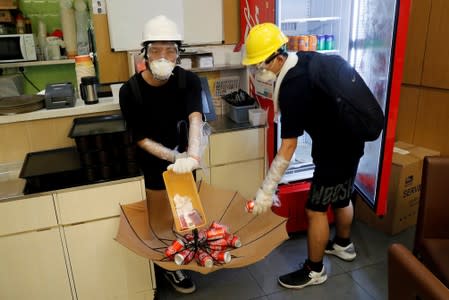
(221, 124)
(224, 124)
(80, 187)
(104, 105)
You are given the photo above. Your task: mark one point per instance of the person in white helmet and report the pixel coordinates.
(160, 105)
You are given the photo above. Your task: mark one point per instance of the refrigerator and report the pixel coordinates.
(371, 36)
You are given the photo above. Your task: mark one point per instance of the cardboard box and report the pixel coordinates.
(404, 191)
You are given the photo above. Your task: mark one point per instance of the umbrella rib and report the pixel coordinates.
(132, 228)
(227, 207)
(252, 219)
(266, 233)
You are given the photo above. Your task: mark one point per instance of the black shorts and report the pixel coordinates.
(338, 195)
(331, 189)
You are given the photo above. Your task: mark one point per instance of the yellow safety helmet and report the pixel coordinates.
(262, 41)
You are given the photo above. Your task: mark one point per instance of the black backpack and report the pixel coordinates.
(358, 108)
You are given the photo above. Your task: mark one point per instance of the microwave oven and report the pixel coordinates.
(17, 48)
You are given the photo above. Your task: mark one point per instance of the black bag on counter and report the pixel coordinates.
(239, 98)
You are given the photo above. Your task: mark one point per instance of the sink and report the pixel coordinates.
(10, 184)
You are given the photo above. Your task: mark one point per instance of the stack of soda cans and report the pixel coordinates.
(208, 247)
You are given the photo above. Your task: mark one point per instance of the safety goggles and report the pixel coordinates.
(265, 63)
(162, 51)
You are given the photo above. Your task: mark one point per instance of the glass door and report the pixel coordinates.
(371, 45)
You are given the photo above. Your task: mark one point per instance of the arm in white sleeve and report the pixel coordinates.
(266, 194)
(192, 161)
(195, 126)
(158, 150)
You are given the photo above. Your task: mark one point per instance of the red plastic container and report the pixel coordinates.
(293, 198)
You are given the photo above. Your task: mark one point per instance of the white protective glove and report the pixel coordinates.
(266, 195)
(178, 155)
(262, 202)
(184, 165)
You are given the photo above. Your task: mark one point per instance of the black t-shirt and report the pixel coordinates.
(305, 107)
(157, 114)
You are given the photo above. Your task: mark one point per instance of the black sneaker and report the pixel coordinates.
(180, 281)
(345, 253)
(302, 278)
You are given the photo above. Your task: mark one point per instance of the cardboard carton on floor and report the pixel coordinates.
(404, 191)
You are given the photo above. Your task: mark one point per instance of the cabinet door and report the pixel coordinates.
(97, 201)
(27, 214)
(102, 268)
(33, 266)
(244, 177)
(237, 146)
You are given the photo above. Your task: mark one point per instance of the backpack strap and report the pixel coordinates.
(135, 88)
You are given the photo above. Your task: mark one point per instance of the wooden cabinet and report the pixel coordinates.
(102, 268)
(416, 41)
(436, 65)
(61, 246)
(237, 160)
(32, 260)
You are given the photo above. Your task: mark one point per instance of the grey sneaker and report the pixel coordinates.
(180, 281)
(345, 253)
(302, 278)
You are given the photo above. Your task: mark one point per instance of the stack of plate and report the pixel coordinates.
(21, 104)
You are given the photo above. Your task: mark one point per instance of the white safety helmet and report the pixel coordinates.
(160, 28)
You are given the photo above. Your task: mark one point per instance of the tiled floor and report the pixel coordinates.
(364, 278)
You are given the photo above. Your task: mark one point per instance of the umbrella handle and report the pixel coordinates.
(195, 237)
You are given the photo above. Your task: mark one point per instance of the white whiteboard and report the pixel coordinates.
(199, 21)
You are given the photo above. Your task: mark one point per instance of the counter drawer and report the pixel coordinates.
(27, 214)
(97, 202)
(237, 146)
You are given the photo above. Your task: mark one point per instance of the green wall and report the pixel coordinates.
(48, 11)
(43, 75)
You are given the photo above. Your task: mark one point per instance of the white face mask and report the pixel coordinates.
(265, 76)
(161, 68)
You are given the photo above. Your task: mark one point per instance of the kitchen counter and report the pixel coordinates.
(224, 124)
(11, 187)
(104, 105)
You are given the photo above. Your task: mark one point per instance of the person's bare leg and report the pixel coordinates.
(343, 221)
(317, 234)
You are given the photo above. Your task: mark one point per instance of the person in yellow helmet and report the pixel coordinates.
(307, 96)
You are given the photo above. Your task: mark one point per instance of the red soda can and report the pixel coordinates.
(233, 240)
(221, 256)
(215, 233)
(217, 225)
(204, 259)
(249, 206)
(175, 247)
(220, 244)
(184, 257)
(201, 236)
